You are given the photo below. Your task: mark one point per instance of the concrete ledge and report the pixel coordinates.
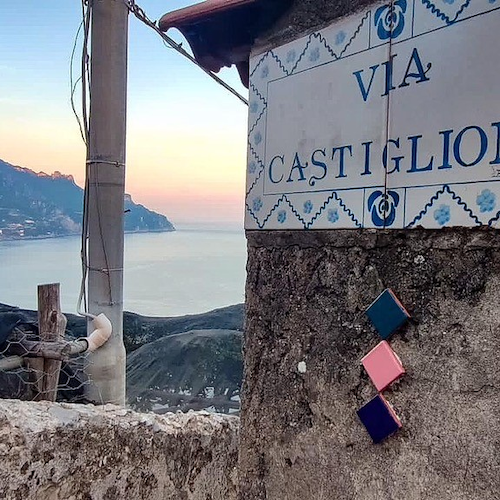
(419, 239)
(74, 452)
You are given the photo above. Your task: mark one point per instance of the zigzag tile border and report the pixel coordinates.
(395, 204)
(441, 15)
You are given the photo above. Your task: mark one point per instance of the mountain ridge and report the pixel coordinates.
(41, 205)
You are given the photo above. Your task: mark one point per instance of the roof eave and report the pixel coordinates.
(222, 32)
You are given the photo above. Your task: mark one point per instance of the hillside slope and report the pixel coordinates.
(176, 363)
(191, 370)
(40, 205)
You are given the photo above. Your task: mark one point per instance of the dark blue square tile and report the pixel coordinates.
(379, 418)
(387, 314)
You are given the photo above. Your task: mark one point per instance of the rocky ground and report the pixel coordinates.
(52, 451)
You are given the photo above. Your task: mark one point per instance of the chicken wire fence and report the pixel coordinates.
(25, 362)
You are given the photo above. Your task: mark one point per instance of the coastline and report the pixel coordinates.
(190, 270)
(69, 235)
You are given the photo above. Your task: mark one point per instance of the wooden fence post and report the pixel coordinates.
(51, 325)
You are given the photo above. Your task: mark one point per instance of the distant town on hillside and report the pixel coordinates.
(39, 205)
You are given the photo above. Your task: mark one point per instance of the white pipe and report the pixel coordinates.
(78, 346)
(100, 335)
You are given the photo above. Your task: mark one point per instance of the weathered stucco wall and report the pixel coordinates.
(73, 452)
(306, 293)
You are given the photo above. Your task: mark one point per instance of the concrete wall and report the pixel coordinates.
(306, 293)
(54, 451)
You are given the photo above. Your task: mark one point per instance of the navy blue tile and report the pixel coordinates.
(379, 419)
(387, 314)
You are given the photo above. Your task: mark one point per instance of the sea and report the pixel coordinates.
(191, 270)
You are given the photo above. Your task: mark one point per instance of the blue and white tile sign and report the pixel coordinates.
(387, 118)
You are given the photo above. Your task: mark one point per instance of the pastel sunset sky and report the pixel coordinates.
(186, 146)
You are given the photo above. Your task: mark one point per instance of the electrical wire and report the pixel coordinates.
(83, 124)
(84, 129)
(141, 15)
(72, 84)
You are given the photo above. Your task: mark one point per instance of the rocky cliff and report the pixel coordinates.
(34, 205)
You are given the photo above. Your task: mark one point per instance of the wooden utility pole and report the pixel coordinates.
(106, 176)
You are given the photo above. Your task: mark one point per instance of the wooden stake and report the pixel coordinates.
(51, 324)
(48, 350)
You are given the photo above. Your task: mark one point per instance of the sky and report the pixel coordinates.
(186, 135)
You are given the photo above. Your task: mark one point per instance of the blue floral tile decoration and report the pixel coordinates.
(333, 215)
(257, 204)
(340, 37)
(390, 19)
(486, 201)
(442, 214)
(308, 206)
(378, 419)
(382, 207)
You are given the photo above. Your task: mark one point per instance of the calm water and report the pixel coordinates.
(188, 271)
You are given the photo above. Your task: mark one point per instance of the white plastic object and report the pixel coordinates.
(101, 333)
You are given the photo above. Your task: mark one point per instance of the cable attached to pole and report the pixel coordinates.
(141, 15)
(83, 122)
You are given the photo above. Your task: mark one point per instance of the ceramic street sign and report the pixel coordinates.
(389, 118)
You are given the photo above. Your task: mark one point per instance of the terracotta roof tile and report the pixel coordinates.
(199, 11)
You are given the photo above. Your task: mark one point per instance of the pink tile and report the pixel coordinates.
(383, 366)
